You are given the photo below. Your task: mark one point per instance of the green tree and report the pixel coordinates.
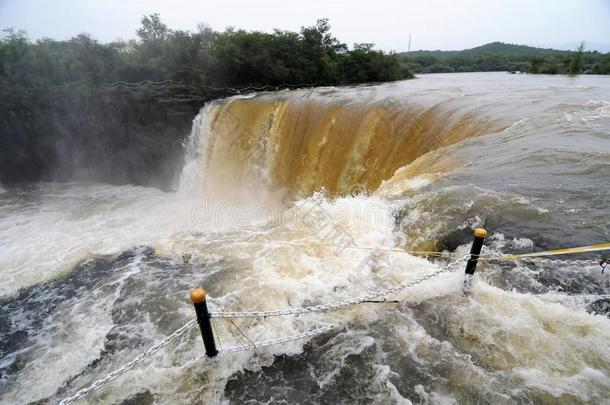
(152, 29)
(576, 62)
(205, 57)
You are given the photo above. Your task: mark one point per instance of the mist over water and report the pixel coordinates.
(277, 193)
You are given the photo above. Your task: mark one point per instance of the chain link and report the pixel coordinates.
(153, 349)
(337, 305)
(555, 262)
(544, 261)
(277, 341)
(128, 366)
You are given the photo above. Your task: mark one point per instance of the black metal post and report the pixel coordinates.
(475, 251)
(203, 319)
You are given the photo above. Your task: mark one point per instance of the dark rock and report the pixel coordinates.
(117, 135)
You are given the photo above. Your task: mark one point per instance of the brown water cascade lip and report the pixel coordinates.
(305, 144)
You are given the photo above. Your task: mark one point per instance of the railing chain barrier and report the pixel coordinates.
(475, 255)
(544, 261)
(292, 311)
(552, 262)
(337, 305)
(179, 332)
(128, 366)
(277, 341)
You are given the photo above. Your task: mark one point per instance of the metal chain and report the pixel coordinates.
(271, 342)
(550, 262)
(544, 261)
(152, 350)
(128, 366)
(337, 305)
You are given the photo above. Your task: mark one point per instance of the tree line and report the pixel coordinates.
(498, 56)
(233, 57)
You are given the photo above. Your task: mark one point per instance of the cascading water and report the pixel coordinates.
(271, 184)
(307, 141)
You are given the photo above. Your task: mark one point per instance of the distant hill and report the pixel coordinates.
(502, 48)
(499, 56)
(499, 48)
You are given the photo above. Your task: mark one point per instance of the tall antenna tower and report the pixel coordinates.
(409, 49)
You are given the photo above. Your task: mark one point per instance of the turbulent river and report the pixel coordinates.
(303, 197)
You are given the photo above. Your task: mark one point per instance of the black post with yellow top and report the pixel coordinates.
(203, 319)
(475, 251)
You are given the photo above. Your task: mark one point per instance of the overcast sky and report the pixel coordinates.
(433, 24)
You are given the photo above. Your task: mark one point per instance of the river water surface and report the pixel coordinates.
(303, 197)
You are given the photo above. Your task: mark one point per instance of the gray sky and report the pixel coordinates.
(434, 24)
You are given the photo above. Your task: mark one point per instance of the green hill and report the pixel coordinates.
(499, 56)
(499, 48)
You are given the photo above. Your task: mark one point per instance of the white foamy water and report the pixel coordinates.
(48, 228)
(526, 334)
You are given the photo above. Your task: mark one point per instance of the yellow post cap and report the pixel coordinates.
(480, 233)
(198, 295)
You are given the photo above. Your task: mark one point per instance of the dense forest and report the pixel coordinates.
(498, 56)
(233, 57)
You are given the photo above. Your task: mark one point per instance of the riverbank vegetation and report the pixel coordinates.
(232, 58)
(498, 56)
